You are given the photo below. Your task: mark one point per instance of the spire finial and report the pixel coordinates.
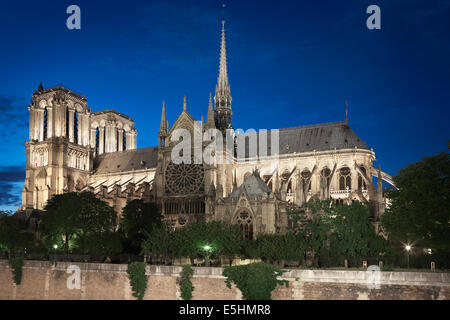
(210, 115)
(223, 13)
(346, 111)
(163, 127)
(184, 103)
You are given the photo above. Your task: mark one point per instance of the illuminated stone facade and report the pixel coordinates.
(73, 149)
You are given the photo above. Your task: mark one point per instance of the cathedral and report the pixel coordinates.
(71, 148)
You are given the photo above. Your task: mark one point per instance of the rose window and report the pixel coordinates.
(184, 178)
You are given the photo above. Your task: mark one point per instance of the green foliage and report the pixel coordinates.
(279, 246)
(138, 279)
(160, 243)
(223, 238)
(13, 233)
(74, 220)
(185, 283)
(353, 235)
(419, 210)
(324, 229)
(16, 265)
(139, 219)
(256, 280)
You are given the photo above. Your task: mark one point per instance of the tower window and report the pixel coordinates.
(124, 140)
(75, 127)
(97, 140)
(45, 123)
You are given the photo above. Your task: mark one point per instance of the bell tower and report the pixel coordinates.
(58, 152)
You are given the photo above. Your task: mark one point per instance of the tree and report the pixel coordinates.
(329, 230)
(160, 243)
(224, 239)
(419, 211)
(309, 225)
(73, 220)
(353, 235)
(139, 219)
(13, 233)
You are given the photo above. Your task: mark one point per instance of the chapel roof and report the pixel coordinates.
(253, 185)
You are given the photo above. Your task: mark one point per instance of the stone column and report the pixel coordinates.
(113, 137)
(87, 126)
(92, 142)
(71, 113)
(32, 130)
(41, 124)
(120, 138)
(49, 122)
(101, 145)
(129, 139)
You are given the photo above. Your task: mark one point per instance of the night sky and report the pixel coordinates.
(290, 63)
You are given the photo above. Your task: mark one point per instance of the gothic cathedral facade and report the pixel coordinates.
(71, 149)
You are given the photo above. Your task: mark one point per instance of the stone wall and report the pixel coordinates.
(45, 280)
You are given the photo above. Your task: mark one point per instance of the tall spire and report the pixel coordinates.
(184, 103)
(210, 116)
(163, 127)
(222, 97)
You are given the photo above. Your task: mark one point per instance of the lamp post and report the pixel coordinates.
(54, 255)
(207, 249)
(408, 248)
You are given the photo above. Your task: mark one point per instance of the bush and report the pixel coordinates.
(256, 280)
(185, 282)
(138, 279)
(16, 265)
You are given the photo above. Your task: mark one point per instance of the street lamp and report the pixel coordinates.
(207, 249)
(408, 249)
(54, 255)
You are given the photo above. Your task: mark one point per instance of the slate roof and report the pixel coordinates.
(253, 185)
(116, 162)
(319, 137)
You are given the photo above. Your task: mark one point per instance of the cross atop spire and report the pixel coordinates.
(346, 111)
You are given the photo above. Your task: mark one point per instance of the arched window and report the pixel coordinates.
(245, 222)
(75, 127)
(326, 175)
(45, 123)
(124, 140)
(361, 182)
(289, 187)
(97, 140)
(345, 179)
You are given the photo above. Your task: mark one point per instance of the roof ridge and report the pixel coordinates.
(318, 125)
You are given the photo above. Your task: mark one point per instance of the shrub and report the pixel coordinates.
(185, 282)
(16, 266)
(256, 280)
(138, 279)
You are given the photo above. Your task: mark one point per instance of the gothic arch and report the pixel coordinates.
(244, 219)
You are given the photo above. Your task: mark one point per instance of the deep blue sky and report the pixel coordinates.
(290, 63)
